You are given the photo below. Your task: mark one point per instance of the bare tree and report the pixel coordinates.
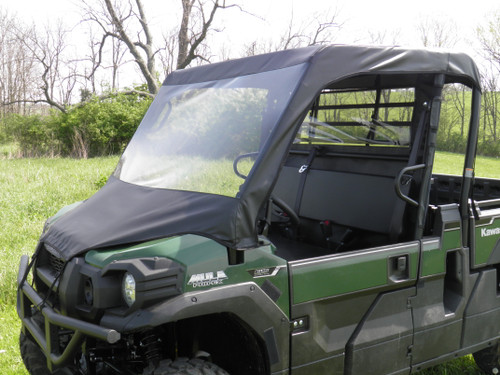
(94, 58)
(437, 33)
(58, 74)
(168, 57)
(490, 104)
(115, 19)
(17, 68)
(96, 61)
(489, 37)
(384, 37)
(318, 29)
(491, 108)
(118, 55)
(189, 37)
(187, 44)
(127, 22)
(440, 33)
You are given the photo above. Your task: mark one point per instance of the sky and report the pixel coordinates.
(262, 19)
(400, 17)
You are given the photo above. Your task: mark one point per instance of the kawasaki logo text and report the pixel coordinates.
(489, 232)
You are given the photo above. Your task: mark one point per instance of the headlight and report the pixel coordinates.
(128, 288)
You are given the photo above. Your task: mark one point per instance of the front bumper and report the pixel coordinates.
(29, 301)
(70, 299)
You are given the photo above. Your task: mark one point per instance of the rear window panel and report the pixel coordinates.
(379, 118)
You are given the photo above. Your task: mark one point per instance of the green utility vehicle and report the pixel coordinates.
(278, 214)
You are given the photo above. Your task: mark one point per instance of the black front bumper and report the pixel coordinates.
(29, 301)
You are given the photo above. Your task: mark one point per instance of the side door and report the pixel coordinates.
(482, 313)
(349, 310)
(442, 292)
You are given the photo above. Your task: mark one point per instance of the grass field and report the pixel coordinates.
(446, 162)
(33, 189)
(30, 191)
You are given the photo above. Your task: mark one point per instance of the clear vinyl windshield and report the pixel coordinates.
(205, 137)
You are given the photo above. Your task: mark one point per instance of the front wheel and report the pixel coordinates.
(185, 366)
(35, 360)
(488, 359)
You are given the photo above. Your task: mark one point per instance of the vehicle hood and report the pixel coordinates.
(123, 213)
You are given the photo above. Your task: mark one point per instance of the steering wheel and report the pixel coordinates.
(289, 211)
(237, 160)
(281, 204)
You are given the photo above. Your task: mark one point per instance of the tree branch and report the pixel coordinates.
(190, 55)
(147, 68)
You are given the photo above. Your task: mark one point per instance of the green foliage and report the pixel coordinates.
(4, 136)
(453, 142)
(36, 135)
(94, 128)
(104, 125)
(8, 150)
(101, 181)
(460, 366)
(101, 127)
(454, 122)
(489, 147)
(225, 123)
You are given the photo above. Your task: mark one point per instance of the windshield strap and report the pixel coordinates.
(304, 170)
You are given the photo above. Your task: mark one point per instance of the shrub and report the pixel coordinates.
(489, 148)
(95, 128)
(452, 142)
(101, 127)
(36, 135)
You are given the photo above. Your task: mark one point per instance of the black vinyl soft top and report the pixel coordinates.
(124, 213)
(337, 62)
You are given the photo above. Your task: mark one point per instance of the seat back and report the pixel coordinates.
(352, 192)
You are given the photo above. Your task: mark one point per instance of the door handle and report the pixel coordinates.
(398, 268)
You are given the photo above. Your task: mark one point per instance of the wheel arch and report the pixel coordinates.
(230, 343)
(245, 307)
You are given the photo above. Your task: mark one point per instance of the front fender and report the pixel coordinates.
(247, 301)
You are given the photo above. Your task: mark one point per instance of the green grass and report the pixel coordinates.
(188, 173)
(448, 163)
(460, 366)
(9, 150)
(30, 191)
(33, 189)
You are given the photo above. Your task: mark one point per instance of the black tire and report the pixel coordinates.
(488, 359)
(35, 360)
(185, 366)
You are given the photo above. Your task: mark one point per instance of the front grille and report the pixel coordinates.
(50, 260)
(48, 269)
(56, 264)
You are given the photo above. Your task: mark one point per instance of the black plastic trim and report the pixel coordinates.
(247, 301)
(28, 297)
